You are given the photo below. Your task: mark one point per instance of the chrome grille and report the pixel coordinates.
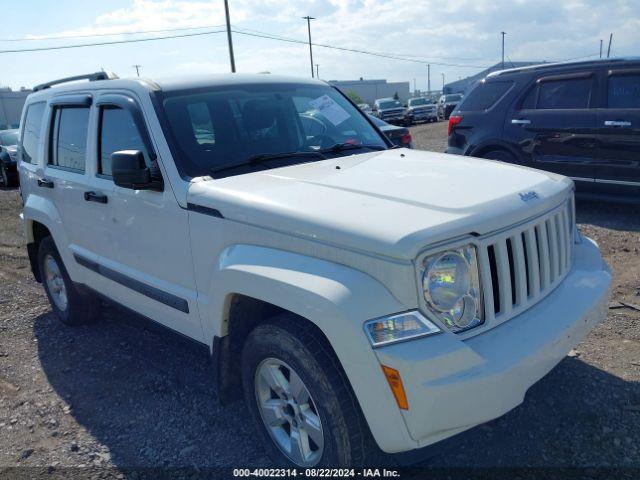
(522, 265)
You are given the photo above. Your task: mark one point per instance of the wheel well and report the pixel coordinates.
(489, 148)
(243, 315)
(38, 232)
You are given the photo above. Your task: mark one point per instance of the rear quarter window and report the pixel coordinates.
(31, 132)
(484, 96)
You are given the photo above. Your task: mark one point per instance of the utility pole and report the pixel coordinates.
(443, 83)
(231, 59)
(609, 49)
(137, 67)
(429, 77)
(503, 34)
(318, 71)
(600, 48)
(308, 18)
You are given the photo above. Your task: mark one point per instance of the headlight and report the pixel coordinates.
(396, 328)
(451, 286)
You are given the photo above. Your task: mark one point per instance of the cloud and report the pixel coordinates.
(457, 38)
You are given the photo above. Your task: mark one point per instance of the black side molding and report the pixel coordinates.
(147, 290)
(204, 210)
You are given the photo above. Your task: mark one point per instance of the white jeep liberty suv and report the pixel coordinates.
(362, 298)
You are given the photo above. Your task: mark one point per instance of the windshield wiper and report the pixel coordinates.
(263, 157)
(340, 147)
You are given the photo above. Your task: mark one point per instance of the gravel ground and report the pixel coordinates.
(119, 395)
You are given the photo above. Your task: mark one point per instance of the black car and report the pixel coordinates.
(400, 136)
(8, 150)
(447, 104)
(579, 119)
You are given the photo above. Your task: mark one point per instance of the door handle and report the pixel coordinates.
(521, 121)
(95, 197)
(617, 123)
(43, 182)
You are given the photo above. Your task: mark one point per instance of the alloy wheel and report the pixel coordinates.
(55, 283)
(289, 412)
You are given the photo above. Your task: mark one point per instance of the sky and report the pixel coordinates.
(458, 38)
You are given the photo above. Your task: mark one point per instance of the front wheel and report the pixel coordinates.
(299, 398)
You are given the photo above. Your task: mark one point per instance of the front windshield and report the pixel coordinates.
(9, 137)
(414, 102)
(452, 98)
(222, 126)
(390, 104)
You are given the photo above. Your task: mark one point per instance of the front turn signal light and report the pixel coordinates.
(395, 383)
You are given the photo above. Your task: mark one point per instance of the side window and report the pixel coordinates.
(624, 91)
(201, 123)
(564, 94)
(69, 138)
(118, 131)
(484, 96)
(32, 131)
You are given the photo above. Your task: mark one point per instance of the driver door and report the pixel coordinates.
(146, 254)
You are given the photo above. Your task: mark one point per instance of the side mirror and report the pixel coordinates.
(129, 170)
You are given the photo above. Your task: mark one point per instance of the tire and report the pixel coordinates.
(4, 175)
(499, 155)
(70, 305)
(286, 347)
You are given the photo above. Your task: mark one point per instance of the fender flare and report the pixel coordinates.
(42, 210)
(334, 297)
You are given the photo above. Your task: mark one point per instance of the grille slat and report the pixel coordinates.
(559, 220)
(543, 255)
(519, 267)
(487, 284)
(504, 277)
(554, 253)
(533, 262)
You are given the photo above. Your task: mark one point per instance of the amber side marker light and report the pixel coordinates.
(395, 383)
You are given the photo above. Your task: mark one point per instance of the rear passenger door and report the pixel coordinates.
(65, 177)
(618, 167)
(554, 127)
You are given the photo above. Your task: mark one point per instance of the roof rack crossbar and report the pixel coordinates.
(103, 75)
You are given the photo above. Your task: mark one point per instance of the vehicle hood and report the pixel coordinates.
(422, 107)
(393, 203)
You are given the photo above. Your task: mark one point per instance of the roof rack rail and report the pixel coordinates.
(103, 75)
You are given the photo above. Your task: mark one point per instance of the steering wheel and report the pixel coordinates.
(325, 141)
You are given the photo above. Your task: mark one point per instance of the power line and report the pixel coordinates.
(246, 32)
(114, 42)
(354, 50)
(93, 35)
(423, 58)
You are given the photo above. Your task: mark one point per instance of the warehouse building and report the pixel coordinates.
(370, 90)
(11, 103)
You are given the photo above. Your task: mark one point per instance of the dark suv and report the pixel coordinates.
(577, 119)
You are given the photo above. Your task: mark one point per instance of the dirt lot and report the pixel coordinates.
(117, 395)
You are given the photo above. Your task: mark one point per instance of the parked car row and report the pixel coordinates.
(8, 156)
(390, 110)
(579, 119)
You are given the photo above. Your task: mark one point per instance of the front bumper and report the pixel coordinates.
(396, 118)
(453, 385)
(416, 117)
